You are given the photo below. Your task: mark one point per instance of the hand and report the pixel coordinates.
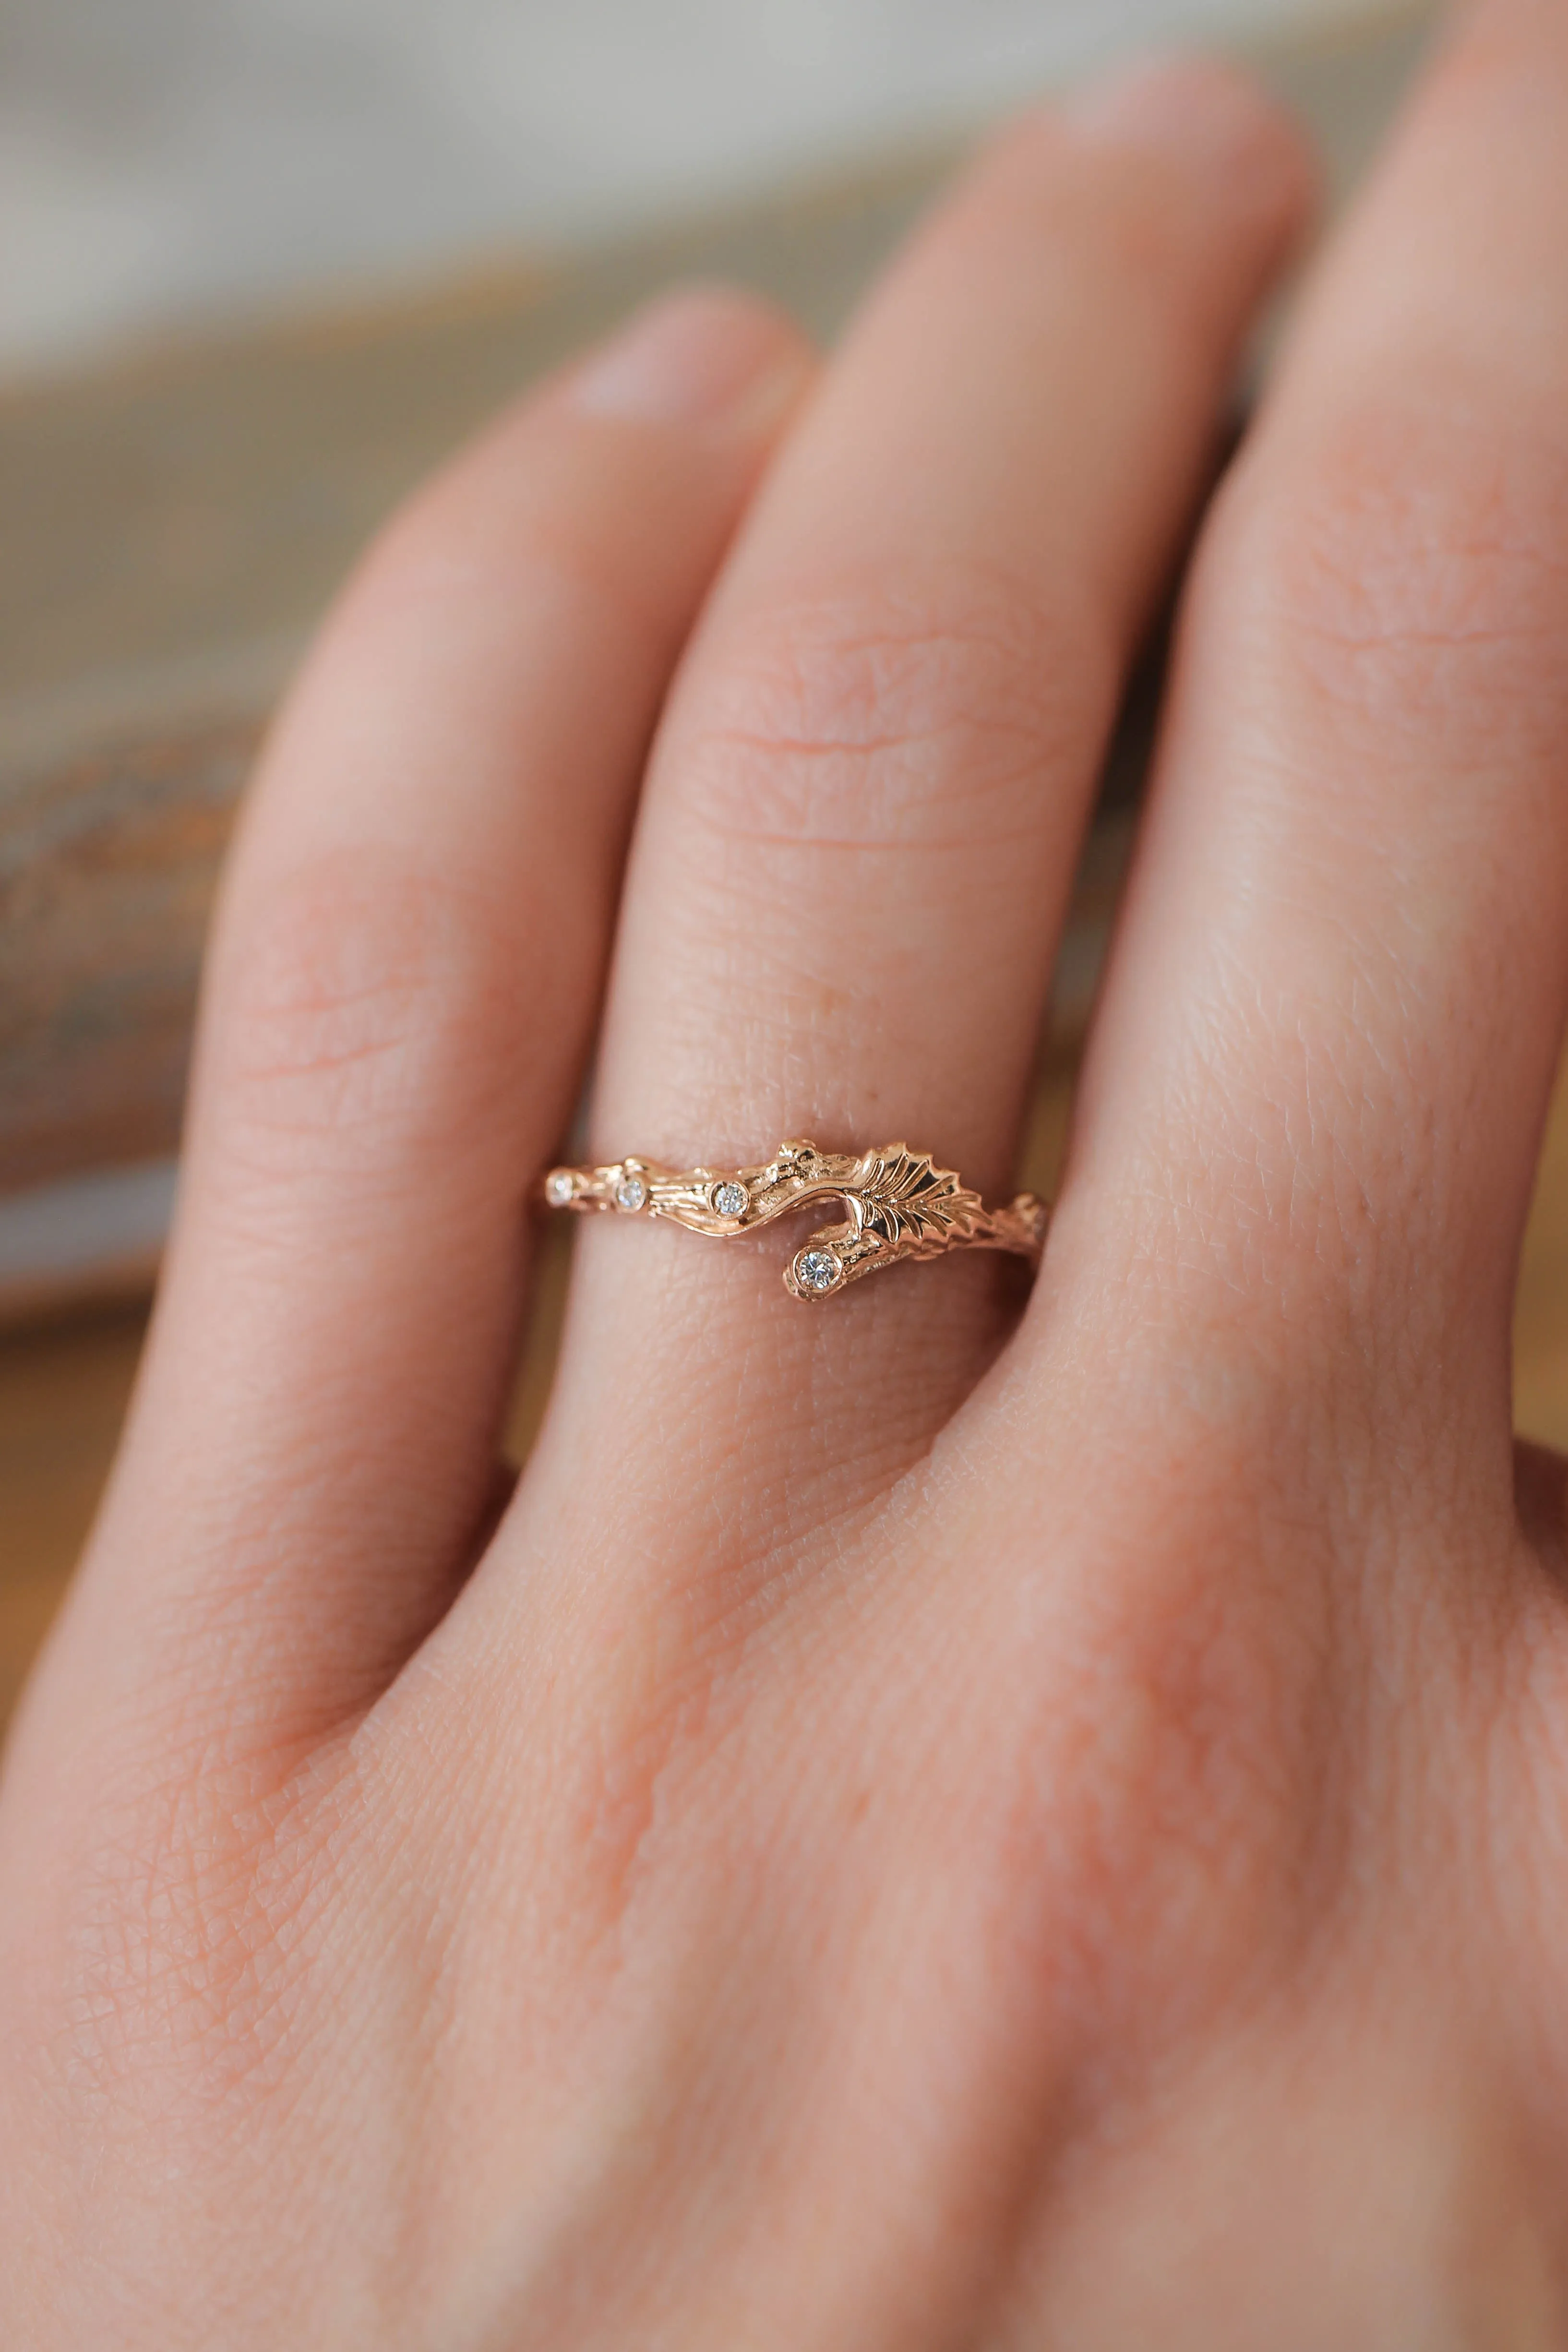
(917, 1828)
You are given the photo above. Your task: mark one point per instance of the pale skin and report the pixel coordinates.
(925, 1820)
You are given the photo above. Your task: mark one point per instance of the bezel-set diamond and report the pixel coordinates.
(560, 1188)
(817, 1269)
(729, 1199)
(632, 1192)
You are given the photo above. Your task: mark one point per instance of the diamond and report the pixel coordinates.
(817, 1269)
(631, 1194)
(557, 1187)
(729, 1200)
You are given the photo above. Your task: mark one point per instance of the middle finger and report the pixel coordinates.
(861, 823)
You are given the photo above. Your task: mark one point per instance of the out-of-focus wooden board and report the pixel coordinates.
(63, 1394)
(1541, 1314)
(63, 1390)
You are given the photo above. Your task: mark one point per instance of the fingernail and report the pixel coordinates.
(695, 358)
(1196, 109)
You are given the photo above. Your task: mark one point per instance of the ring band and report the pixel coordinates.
(901, 1205)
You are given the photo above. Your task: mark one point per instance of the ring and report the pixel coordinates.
(901, 1205)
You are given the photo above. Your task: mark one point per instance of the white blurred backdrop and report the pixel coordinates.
(165, 160)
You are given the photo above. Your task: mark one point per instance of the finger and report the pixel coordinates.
(863, 812)
(404, 982)
(1324, 1054)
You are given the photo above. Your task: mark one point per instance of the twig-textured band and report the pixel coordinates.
(901, 1205)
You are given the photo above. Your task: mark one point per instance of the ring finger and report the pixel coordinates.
(862, 815)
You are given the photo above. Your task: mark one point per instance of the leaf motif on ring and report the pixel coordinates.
(911, 1203)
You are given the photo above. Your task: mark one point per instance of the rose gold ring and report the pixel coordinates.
(901, 1205)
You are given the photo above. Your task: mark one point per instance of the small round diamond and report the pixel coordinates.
(631, 1193)
(558, 1188)
(817, 1269)
(729, 1200)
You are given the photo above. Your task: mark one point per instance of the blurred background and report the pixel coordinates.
(264, 262)
(165, 160)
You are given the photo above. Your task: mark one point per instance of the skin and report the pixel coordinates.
(926, 1822)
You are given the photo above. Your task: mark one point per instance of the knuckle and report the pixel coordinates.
(1421, 560)
(868, 717)
(371, 1009)
(186, 1926)
(1186, 1827)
